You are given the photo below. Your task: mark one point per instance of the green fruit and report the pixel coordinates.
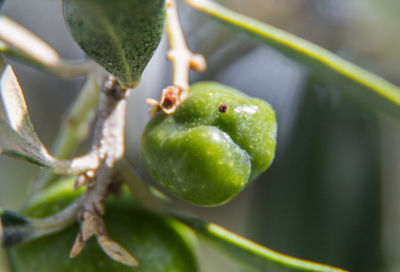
(158, 243)
(121, 35)
(217, 141)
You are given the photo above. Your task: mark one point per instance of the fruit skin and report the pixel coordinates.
(120, 35)
(159, 243)
(206, 156)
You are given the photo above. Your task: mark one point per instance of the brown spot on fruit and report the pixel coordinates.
(223, 108)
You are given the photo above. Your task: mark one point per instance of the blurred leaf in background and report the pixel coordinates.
(321, 199)
(333, 160)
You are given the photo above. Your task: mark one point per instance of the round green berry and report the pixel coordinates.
(209, 149)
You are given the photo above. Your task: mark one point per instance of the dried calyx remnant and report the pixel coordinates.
(223, 108)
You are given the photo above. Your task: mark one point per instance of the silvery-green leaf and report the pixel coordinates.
(17, 135)
(121, 35)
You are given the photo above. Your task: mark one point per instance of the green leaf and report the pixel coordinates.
(358, 84)
(17, 135)
(246, 252)
(120, 35)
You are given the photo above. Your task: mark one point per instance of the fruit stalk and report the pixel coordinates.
(182, 60)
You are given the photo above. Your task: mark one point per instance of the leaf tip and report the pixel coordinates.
(77, 247)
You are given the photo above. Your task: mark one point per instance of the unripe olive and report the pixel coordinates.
(158, 243)
(217, 141)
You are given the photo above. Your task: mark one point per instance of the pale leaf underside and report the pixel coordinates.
(17, 135)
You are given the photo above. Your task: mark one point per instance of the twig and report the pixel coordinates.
(18, 42)
(108, 149)
(57, 222)
(182, 60)
(180, 56)
(109, 146)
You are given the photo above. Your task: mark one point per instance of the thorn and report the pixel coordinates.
(88, 225)
(78, 246)
(116, 251)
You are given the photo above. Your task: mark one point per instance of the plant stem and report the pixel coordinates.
(57, 222)
(108, 147)
(20, 43)
(179, 54)
(182, 60)
(245, 251)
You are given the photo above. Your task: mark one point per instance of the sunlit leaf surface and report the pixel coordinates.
(121, 35)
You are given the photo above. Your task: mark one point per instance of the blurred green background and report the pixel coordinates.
(332, 193)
